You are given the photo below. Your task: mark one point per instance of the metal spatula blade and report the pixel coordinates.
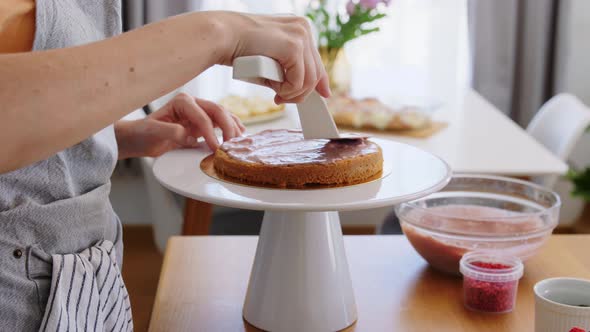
(316, 121)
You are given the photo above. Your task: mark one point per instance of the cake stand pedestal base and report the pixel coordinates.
(300, 279)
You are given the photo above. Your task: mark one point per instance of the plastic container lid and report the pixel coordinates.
(513, 269)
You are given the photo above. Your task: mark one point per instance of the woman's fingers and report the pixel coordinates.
(309, 81)
(186, 118)
(323, 86)
(239, 123)
(287, 39)
(198, 120)
(294, 76)
(296, 71)
(220, 117)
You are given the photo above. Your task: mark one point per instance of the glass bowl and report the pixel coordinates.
(485, 213)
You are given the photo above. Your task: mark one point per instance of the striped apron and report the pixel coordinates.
(87, 292)
(60, 240)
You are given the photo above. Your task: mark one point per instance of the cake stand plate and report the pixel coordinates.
(300, 279)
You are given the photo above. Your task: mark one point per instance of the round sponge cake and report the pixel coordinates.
(283, 158)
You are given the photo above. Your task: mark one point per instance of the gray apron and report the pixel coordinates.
(58, 208)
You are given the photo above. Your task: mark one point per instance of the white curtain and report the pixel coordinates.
(572, 59)
(513, 45)
(140, 12)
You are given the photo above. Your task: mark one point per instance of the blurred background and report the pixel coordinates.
(420, 55)
(513, 55)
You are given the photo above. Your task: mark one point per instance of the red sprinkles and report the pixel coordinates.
(489, 296)
(494, 266)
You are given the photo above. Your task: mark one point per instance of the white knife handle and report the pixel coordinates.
(256, 68)
(316, 121)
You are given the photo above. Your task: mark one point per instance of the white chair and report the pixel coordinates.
(558, 126)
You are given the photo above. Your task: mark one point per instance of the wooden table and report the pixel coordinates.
(204, 279)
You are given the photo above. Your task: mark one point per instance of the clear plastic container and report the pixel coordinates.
(490, 282)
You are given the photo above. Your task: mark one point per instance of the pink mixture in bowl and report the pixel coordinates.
(495, 214)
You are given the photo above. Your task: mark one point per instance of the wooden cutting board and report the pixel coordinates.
(426, 132)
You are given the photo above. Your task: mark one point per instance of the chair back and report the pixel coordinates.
(558, 125)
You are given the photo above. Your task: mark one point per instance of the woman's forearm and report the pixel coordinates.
(50, 100)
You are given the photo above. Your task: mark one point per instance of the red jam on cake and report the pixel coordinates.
(283, 158)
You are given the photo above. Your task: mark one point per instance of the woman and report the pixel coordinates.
(60, 241)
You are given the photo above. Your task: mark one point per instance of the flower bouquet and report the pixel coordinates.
(335, 30)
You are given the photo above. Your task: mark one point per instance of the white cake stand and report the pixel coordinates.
(300, 279)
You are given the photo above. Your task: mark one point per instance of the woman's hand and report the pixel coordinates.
(287, 39)
(176, 125)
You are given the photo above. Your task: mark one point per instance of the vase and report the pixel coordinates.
(338, 69)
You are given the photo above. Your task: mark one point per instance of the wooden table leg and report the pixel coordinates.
(197, 217)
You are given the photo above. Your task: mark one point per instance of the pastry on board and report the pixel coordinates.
(370, 113)
(248, 108)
